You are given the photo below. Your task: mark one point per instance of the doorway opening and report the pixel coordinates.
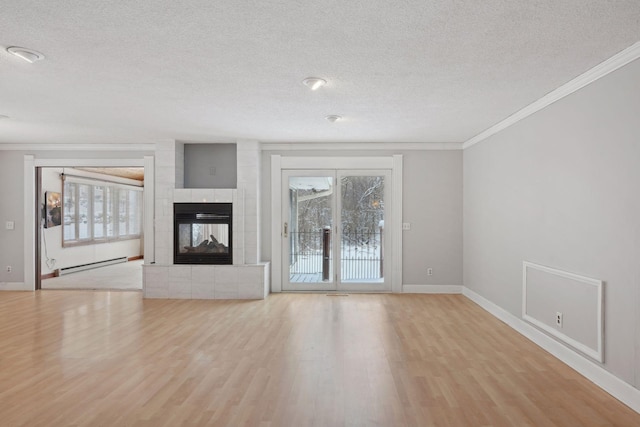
(90, 228)
(334, 235)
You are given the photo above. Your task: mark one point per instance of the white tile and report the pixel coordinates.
(226, 275)
(202, 281)
(165, 175)
(202, 195)
(163, 248)
(164, 256)
(165, 160)
(201, 290)
(250, 275)
(238, 256)
(226, 290)
(250, 291)
(250, 239)
(250, 256)
(164, 224)
(251, 206)
(238, 240)
(179, 281)
(180, 272)
(238, 206)
(203, 274)
(250, 223)
(164, 192)
(154, 273)
(182, 195)
(223, 195)
(267, 279)
(180, 288)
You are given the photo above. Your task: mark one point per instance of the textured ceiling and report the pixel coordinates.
(203, 70)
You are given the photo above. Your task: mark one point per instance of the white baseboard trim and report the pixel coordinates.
(431, 289)
(13, 286)
(613, 385)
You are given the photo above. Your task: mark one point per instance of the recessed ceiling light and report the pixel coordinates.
(314, 83)
(333, 118)
(28, 55)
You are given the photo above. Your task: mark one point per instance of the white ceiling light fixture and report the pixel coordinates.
(314, 83)
(333, 118)
(28, 55)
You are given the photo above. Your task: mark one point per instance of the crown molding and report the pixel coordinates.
(342, 146)
(77, 147)
(615, 62)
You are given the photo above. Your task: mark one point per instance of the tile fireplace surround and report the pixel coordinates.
(247, 278)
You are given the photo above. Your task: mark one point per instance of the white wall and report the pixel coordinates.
(561, 188)
(432, 203)
(11, 209)
(85, 254)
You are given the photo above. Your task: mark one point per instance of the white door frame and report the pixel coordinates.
(278, 163)
(330, 285)
(30, 164)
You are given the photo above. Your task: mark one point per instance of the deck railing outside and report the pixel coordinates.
(361, 254)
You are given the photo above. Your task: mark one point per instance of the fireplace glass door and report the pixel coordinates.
(202, 233)
(198, 237)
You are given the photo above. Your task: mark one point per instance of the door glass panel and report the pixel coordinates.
(309, 229)
(362, 229)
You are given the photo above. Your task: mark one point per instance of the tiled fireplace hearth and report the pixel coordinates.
(246, 277)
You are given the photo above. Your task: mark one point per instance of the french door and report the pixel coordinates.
(333, 234)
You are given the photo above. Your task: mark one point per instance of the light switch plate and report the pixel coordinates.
(11, 225)
(406, 226)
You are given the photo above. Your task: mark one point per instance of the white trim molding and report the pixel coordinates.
(595, 373)
(359, 146)
(396, 222)
(332, 163)
(276, 221)
(30, 203)
(615, 62)
(77, 147)
(30, 206)
(595, 353)
(431, 289)
(60, 163)
(149, 234)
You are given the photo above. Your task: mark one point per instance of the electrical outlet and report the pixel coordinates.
(559, 319)
(9, 269)
(429, 271)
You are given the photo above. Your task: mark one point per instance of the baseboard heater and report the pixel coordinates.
(76, 268)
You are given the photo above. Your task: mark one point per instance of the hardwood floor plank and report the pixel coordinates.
(86, 358)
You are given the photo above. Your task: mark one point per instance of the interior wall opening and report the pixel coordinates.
(90, 224)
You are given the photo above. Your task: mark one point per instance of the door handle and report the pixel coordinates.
(286, 230)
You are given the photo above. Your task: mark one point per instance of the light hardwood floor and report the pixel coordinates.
(82, 358)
